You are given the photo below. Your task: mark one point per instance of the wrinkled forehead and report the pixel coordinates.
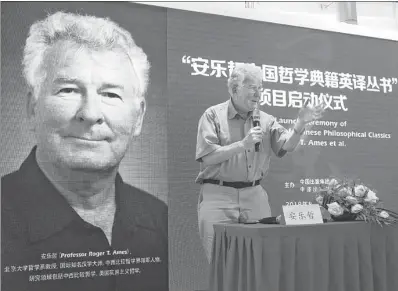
(253, 80)
(68, 56)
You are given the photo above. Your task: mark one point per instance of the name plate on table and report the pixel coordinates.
(302, 214)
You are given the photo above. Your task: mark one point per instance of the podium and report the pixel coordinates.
(335, 256)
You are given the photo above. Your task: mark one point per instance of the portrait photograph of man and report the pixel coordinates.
(84, 185)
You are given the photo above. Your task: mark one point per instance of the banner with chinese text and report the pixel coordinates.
(356, 138)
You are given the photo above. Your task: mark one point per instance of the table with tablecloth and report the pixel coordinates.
(334, 256)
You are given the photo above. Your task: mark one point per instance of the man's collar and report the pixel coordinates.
(231, 109)
(232, 112)
(48, 211)
(127, 209)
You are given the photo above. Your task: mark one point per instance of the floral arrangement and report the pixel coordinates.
(352, 200)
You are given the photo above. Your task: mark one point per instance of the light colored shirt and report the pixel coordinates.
(221, 125)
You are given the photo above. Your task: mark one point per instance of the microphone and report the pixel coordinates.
(256, 122)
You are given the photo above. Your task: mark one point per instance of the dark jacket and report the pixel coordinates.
(46, 246)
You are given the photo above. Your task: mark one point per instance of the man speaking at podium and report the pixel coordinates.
(234, 152)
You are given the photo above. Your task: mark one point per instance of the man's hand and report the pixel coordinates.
(254, 136)
(309, 113)
(223, 153)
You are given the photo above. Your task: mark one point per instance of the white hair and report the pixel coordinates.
(242, 72)
(87, 31)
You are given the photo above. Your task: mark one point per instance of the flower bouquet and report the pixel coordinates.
(351, 200)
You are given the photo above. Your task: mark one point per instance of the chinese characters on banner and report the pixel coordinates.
(299, 76)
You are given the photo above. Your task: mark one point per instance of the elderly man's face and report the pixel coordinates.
(88, 108)
(248, 94)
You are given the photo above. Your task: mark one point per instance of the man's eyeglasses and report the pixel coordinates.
(254, 88)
